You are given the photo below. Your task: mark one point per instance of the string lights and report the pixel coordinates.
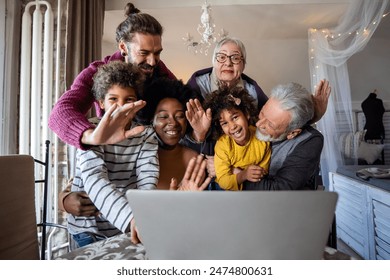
(361, 33)
(330, 35)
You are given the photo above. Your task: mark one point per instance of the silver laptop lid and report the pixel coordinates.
(233, 225)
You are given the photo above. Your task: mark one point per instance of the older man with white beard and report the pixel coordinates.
(296, 146)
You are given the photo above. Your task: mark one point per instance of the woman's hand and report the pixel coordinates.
(195, 178)
(199, 119)
(113, 126)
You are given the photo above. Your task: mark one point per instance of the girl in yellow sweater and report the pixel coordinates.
(239, 155)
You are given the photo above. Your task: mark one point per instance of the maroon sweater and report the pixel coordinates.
(68, 117)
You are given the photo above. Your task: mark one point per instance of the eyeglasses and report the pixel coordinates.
(234, 58)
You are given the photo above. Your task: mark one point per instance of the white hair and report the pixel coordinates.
(297, 100)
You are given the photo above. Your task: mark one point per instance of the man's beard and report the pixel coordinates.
(144, 66)
(263, 137)
(150, 69)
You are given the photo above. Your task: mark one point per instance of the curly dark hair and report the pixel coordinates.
(227, 99)
(117, 73)
(160, 89)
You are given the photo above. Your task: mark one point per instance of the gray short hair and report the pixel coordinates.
(225, 40)
(297, 100)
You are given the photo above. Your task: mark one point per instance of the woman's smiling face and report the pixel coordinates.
(170, 122)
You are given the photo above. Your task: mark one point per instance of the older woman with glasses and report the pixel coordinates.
(229, 59)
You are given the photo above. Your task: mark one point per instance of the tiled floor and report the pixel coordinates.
(341, 246)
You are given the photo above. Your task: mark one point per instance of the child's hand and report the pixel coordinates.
(113, 126)
(210, 166)
(235, 170)
(199, 119)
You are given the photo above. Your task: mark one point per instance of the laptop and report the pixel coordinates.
(274, 225)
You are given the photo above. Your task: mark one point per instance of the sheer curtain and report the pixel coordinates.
(329, 50)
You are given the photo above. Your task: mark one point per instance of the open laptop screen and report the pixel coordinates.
(233, 225)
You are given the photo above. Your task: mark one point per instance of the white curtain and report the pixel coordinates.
(329, 50)
(9, 67)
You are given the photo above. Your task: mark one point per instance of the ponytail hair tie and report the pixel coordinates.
(236, 100)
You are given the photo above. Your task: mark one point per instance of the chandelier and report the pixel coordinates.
(206, 30)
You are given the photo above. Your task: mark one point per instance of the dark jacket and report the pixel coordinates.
(373, 110)
(294, 163)
(261, 97)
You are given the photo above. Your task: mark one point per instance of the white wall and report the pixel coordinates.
(269, 61)
(369, 70)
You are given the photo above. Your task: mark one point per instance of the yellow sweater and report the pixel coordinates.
(229, 154)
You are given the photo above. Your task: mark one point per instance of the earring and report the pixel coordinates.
(123, 54)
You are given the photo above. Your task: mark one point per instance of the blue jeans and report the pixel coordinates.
(85, 238)
(213, 186)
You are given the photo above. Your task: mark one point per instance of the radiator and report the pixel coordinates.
(36, 78)
(37, 73)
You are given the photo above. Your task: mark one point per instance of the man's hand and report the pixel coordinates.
(79, 204)
(320, 99)
(113, 126)
(199, 119)
(252, 173)
(194, 178)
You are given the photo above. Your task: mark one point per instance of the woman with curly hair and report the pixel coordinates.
(239, 155)
(166, 101)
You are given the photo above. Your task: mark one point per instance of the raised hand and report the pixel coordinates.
(113, 127)
(320, 99)
(199, 119)
(194, 178)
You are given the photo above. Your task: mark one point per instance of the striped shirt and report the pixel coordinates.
(105, 173)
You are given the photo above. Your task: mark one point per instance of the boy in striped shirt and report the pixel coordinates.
(106, 172)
